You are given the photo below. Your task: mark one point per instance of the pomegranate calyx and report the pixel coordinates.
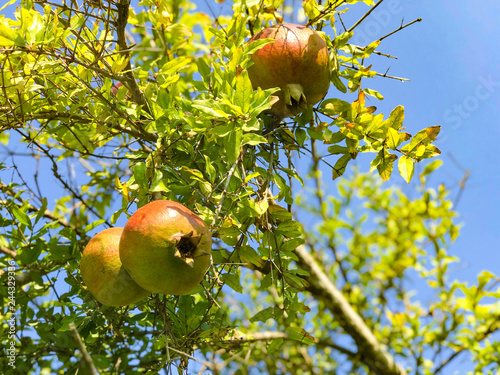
(294, 96)
(186, 244)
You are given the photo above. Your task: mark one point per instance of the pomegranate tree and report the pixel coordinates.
(166, 247)
(103, 273)
(297, 62)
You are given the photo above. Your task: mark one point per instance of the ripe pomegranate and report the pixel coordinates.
(115, 87)
(103, 273)
(166, 247)
(297, 62)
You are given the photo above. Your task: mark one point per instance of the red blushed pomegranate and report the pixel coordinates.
(297, 62)
(103, 273)
(115, 87)
(166, 247)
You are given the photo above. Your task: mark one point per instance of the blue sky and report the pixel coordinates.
(451, 57)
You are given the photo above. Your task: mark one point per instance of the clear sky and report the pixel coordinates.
(451, 57)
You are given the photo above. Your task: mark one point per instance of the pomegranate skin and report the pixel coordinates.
(103, 273)
(297, 62)
(166, 247)
(115, 87)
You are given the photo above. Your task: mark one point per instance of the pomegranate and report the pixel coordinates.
(115, 87)
(166, 247)
(297, 62)
(103, 273)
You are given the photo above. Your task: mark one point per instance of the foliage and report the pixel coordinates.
(186, 125)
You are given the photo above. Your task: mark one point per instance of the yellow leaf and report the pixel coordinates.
(406, 167)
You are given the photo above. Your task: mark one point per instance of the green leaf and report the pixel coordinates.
(173, 66)
(300, 136)
(292, 244)
(429, 152)
(337, 82)
(385, 164)
(116, 215)
(232, 281)
(209, 168)
(221, 130)
(275, 345)
(336, 149)
(9, 36)
(341, 40)
(373, 93)
(210, 107)
(301, 335)
(484, 278)
(311, 9)
(157, 183)
(7, 4)
(244, 92)
(340, 165)
(264, 315)
(406, 166)
(295, 281)
(233, 144)
(219, 34)
(257, 44)
(424, 136)
(396, 117)
(353, 130)
(89, 227)
(333, 107)
(262, 101)
(261, 206)
(41, 211)
(20, 215)
(251, 176)
(237, 29)
(229, 235)
(249, 255)
(393, 139)
(139, 171)
(332, 138)
(4, 137)
(431, 167)
(352, 147)
(76, 22)
(179, 30)
(376, 128)
(203, 68)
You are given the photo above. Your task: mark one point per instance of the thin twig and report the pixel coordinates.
(400, 28)
(365, 16)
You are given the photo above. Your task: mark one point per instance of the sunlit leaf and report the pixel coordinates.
(406, 166)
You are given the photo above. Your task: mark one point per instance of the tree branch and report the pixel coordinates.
(365, 16)
(129, 78)
(371, 351)
(86, 360)
(271, 335)
(7, 251)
